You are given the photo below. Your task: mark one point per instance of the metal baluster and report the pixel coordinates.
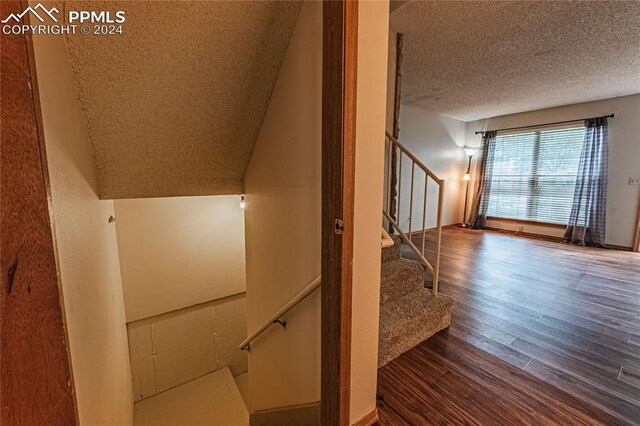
(424, 213)
(399, 187)
(413, 167)
(436, 267)
(391, 146)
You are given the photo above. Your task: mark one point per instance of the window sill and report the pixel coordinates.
(528, 222)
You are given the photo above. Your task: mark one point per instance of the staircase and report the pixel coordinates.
(409, 312)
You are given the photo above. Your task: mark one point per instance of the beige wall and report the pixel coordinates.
(624, 158)
(437, 141)
(373, 22)
(282, 222)
(87, 250)
(183, 275)
(183, 250)
(170, 349)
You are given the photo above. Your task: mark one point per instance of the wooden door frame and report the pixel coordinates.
(339, 75)
(636, 235)
(36, 377)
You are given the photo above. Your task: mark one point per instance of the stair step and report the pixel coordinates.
(393, 252)
(409, 320)
(213, 399)
(399, 277)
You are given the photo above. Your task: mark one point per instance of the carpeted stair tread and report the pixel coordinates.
(399, 277)
(393, 252)
(409, 320)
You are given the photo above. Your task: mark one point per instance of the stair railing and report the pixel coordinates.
(392, 145)
(276, 318)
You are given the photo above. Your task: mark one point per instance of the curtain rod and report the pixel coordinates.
(544, 125)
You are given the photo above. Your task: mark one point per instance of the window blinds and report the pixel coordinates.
(534, 174)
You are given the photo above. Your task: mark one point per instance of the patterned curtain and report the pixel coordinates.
(586, 225)
(478, 214)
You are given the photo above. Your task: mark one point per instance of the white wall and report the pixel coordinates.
(373, 22)
(437, 142)
(283, 218)
(624, 158)
(87, 250)
(183, 275)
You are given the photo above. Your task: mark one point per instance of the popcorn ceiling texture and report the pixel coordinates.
(173, 106)
(472, 60)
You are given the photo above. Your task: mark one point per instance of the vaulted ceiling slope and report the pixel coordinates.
(173, 106)
(471, 60)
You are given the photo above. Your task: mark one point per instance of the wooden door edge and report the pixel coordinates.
(340, 43)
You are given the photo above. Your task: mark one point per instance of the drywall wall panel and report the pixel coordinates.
(373, 22)
(183, 251)
(624, 156)
(437, 142)
(87, 248)
(282, 222)
(141, 352)
(230, 329)
(171, 349)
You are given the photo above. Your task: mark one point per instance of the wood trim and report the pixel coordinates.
(636, 236)
(397, 92)
(303, 414)
(617, 247)
(339, 74)
(527, 222)
(36, 383)
(419, 233)
(526, 234)
(548, 238)
(368, 419)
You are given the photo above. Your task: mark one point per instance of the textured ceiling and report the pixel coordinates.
(174, 105)
(472, 60)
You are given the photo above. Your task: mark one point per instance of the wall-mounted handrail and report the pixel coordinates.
(393, 217)
(277, 317)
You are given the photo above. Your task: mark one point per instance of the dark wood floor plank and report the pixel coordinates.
(625, 412)
(568, 315)
(599, 378)
(564, 343)
(508, 354)
(478, 388)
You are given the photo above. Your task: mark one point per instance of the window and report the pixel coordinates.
(534, 175)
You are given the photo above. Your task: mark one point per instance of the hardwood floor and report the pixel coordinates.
(567, 315)
(447, 381)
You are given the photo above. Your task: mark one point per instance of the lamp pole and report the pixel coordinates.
(470, 151)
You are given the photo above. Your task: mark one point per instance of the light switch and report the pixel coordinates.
(634, 181)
